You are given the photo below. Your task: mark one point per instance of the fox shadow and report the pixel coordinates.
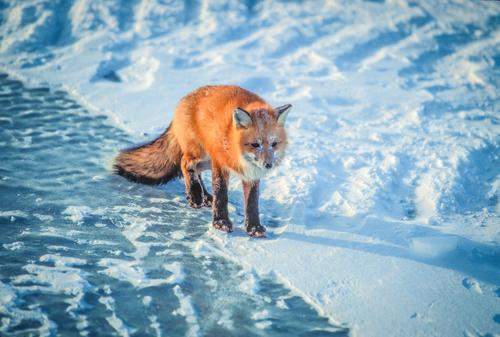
(277, 217)
(472, 258)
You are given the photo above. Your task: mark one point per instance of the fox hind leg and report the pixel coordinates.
(207, 197)
(195, 191)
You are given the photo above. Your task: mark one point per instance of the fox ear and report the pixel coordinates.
(283, 113)
(241, 118)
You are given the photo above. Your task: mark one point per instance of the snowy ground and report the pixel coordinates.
(385, 215)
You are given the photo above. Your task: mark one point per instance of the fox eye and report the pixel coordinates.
(274, 144)
(255, 145)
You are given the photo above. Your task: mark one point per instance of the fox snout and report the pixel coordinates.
(268, 162)
(265, 157)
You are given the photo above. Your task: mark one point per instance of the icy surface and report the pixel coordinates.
(384, 214)
(85, 252)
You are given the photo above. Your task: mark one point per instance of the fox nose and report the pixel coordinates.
(268, 165)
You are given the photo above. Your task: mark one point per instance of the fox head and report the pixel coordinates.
(262, 138)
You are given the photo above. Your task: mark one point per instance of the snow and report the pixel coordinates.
(384, 214)
(11, 314)
(186, 309)
(429, 246)
(177, 274)
(76, 213)
(117, 324)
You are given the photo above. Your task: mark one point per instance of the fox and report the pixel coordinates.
(224, 128)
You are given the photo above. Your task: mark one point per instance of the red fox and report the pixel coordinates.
(225, 128)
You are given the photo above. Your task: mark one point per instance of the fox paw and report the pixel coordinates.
(224, 225)
(195, 202)
(256, 231)
(207, 200)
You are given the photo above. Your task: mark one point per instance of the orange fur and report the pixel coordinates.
(225, 127)
(153, 163)
(203, 125)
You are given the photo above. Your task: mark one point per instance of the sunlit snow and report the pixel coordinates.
(383, 219)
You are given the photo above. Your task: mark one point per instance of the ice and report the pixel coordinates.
(178, 235)
(14, 316)
(62, 261)
(186, 309)
(262, 319)
(104, 256)
(76, 213)
(130, 272)
(146, 300)
(177, 274)
(226, 320)
(263, 324)
(260, 315)
(116, 323)
(14, 245)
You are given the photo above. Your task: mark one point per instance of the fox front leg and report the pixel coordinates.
(252, 220)
(221, 220)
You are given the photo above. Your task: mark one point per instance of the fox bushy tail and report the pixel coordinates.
(156, 162)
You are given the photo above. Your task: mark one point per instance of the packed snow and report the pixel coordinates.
(384, 215)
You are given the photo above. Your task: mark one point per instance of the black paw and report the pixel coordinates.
(195, 202)
(207, 200)
(256, 231)
(224, 225)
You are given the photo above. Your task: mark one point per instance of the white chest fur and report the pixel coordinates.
(252, 171)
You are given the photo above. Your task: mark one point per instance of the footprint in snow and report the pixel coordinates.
(472, 284)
